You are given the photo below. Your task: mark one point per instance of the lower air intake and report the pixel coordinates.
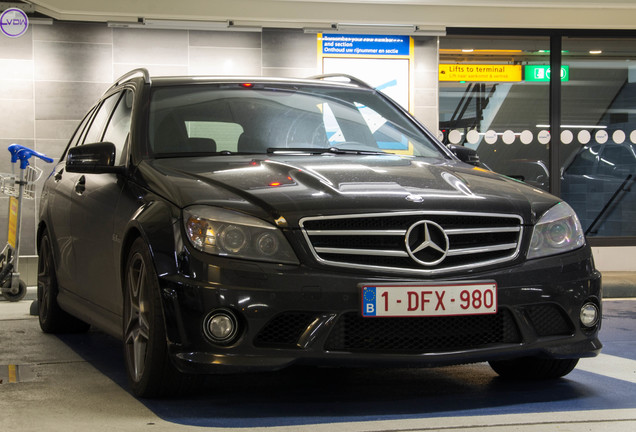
(353, 333)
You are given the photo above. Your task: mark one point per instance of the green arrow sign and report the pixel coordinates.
(542, 73)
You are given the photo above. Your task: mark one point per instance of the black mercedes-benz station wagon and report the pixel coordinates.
(221, 225)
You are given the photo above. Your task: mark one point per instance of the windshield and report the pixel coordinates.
(235, 118)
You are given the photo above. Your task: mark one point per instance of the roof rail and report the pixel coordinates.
(352, 79)
(132, 74)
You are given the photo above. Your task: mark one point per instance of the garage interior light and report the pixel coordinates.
(450, 51)
(186, 25)
(575, 126)
(40, 21)
(231, 25)
(227, 25)
(380, 29)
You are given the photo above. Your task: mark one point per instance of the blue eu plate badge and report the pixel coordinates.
(368, 301)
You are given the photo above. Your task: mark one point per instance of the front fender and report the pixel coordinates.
(157, 222)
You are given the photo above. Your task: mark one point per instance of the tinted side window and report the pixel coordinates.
(119, 125)
(96, 129)
(81, 129)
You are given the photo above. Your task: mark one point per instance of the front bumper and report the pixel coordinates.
(300, 315)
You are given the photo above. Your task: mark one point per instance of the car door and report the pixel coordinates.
(93, 215)
(59, 193)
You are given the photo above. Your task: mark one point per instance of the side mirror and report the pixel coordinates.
(465, 154)
(93, 158)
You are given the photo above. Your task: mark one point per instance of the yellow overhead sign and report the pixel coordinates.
(479, 73)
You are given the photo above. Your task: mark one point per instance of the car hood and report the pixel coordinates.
(296, 186)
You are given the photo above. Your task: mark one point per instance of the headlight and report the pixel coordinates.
(558, 231)
(228, 233)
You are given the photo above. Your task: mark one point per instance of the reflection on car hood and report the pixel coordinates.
(295, 186)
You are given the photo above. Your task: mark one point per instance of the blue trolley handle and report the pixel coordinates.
(24, 154)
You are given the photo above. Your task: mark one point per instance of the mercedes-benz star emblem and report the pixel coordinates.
(426, 242)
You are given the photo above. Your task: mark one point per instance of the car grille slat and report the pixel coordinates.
(356, 232)
(378, 241)
(390, 253)
(480, 230)
(478, 250)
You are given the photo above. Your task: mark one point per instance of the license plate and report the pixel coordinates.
(404, 300)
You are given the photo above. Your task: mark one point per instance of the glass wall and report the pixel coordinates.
(598, 134)
(502, 112)
(506, 118)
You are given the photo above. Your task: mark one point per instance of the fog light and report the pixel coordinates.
(221, 327)
(589, 315)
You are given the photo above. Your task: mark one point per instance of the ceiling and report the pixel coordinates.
(426, 15)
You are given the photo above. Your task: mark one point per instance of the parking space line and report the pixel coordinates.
(610, 366)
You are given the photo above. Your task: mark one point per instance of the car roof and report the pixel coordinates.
(328, 80)
(176, 80)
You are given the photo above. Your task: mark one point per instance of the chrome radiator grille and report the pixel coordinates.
(414, 242)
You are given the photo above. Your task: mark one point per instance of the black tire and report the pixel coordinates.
(52, 318)
(150, 371)
(16, 296)
(533, 368)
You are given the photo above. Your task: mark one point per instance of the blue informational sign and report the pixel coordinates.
(365, 45)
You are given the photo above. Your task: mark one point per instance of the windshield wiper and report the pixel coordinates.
(322, 150)
(194, 154)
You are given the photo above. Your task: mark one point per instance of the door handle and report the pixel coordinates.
(80, 185)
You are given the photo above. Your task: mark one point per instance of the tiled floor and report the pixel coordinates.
(77, 382)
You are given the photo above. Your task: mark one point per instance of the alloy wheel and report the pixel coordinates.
(137, 330)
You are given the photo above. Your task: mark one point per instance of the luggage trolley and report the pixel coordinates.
(17, 186)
